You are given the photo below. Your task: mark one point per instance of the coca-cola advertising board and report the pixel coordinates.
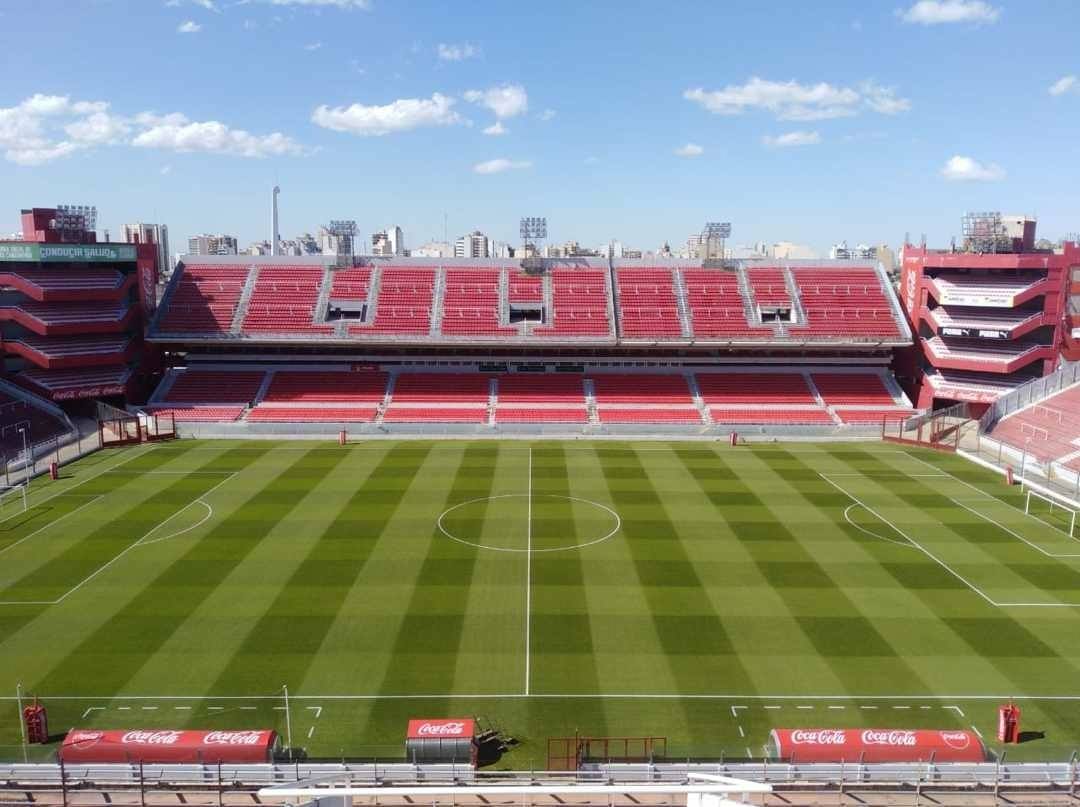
(453, 728)
(168, 745)
(876, 745)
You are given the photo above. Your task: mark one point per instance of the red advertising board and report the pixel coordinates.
(876, 745)
(156, 745)
(453, 728)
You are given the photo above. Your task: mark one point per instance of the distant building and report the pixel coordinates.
(786, 250)
(207, 244)
(258, 248)
(333, 243)
(501, 249)
(434, 249)
(860, 252)
(309, 246)
(388, 242)
(473, 245)
(150, 234)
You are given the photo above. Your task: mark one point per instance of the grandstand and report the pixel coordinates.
(482, 342)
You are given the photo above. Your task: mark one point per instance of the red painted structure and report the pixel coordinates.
(985, 323)
(875, 745)
(164, 746)
(73, 312)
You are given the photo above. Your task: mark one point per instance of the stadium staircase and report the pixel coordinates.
(374, 282)
(245, 300)
(162, 391)
(493, 400)
(699, 402)
(268, 379)
(894, 302)
(796, 299)
(322, 302)
(549, 298)
(894, 388)
(504, 298)
(437, 298)
(814, 389)
(752, 318)
(590, 402)
(685, 317)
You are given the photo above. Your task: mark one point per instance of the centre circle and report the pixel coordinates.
(522, 522)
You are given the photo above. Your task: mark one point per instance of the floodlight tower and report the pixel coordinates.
(344, 232)
(715, 231)
(533, 230)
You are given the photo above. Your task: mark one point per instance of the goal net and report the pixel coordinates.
(1051, 510)
(12, 500)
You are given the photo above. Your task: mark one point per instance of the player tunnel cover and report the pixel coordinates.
(441, 740)
(875, 745)
(154, 746)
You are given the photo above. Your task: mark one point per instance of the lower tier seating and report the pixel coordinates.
(215, 386)
(333, 386)
(562, 414)
(615, 414)
(862, 416)
(435, 414)
(193, 414)
(852, 388)
(615, 388)
(759, 415)
(754, 388)
(312, 414)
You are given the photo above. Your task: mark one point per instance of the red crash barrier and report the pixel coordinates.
(154, 746)
(876, 745)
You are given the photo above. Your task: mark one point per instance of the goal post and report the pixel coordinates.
(13, 499)
(1036, 503)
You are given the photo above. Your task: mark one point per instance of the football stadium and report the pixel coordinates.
(541, 514)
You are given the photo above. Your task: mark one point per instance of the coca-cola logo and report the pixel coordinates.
(85, 736)
(877, 737)
(441, 729)
(151, 737)
(956, 739)
(232, 738)
(818, 737)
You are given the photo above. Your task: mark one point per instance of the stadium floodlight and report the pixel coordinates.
(533, 228)
(717, 229)
(343, 227)
(75, 218)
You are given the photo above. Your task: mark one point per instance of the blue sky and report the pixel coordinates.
(799, 121)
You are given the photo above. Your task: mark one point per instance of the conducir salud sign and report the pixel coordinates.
(72, 253)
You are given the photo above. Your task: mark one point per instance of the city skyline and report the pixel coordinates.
(808, 124)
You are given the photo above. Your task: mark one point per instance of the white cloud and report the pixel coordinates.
(400, 116)
(499, 165)
(311, 46)
(790, 139)
(165, 170)
(209, 5)
(591, 160)
(188, 27)
(98, 129)
(506, 100)
(689, 150)
(214, 137)
(456, 53)
(547, 114)
(496, 129)
(43, 128)
(345, 5)
(939, 12)
(966, 169)
(790, 100)
(1063, 85)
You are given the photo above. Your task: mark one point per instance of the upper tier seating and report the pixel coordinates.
(441, 388)
(754, 388)
(640, 389)
(284, 299)
(853, 388)
(471, 304)
(648, 308)
(716, 306)
(64, 283)
(768, 287)
(403, 305)
(579, 304)
(326, 386)
(843, 302)
(541, 388)
(204, 299)
(215, 386)
(1047, 430)
(350, 284)
(525, 288)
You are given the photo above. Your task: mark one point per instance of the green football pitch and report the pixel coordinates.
(692, 591)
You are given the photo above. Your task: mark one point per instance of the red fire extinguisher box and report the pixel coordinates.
(1009, 723)
(36, 720)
